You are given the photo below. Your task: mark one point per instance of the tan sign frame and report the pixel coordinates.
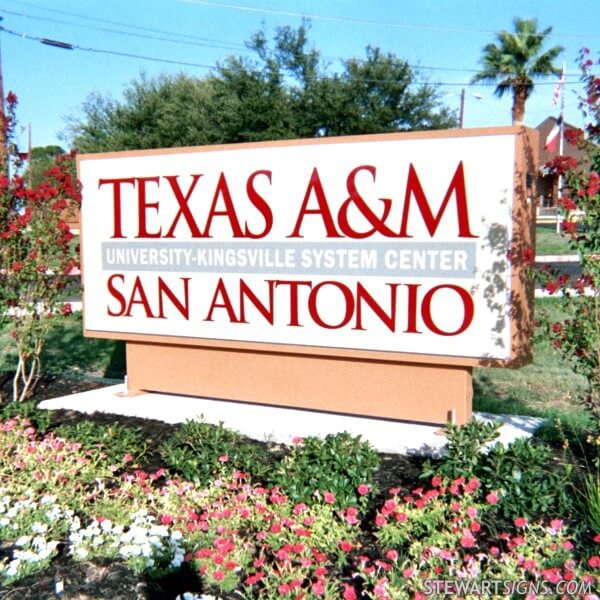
(414, 387)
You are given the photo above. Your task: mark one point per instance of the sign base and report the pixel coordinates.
(402, 391)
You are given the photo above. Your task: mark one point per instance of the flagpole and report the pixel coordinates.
(561, 143)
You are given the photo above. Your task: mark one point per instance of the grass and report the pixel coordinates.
(548, 387)
(548, 242)
(68, 353)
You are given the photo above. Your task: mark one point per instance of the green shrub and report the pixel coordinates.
(40, 419)
(589, 501)
(200, 452)
(337, 464)
(115, 440)
(524, 476)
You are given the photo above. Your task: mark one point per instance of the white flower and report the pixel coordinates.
(80, 553)
(130, 550)
(13, 567)
(38, 527)
(106, 525)
(23, 541)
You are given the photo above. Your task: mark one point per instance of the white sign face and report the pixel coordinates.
(395, 244)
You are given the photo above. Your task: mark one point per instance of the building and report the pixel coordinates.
(547, 183)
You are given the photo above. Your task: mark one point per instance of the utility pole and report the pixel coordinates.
(461, 118)
(3, 140)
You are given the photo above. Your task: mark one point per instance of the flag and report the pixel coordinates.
(554, 135)
(559, 86)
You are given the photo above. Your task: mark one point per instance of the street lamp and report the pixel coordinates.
(461, 119)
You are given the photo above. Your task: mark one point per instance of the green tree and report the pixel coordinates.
(284, 91)
(516, 61)
(41, 159)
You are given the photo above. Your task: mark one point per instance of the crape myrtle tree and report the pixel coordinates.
(578, 337)
(284, 91)
(36, 252)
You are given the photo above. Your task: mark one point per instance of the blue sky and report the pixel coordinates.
(443, 38)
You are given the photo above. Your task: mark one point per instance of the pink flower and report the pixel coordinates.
(345, 546)
(224, 458)
(594, 561)
(284, 589)
(380, 520)
(556, 525)
(363, 489)
(349, 593)
(166, 519)
(297, 439)
(552, 575)
(329, 498)
(391, 554)
(520, 522)
(318, 587)
(351, 516)
(472, 512)
(473, 485)
(492, 498)
(298, 508)
(219, 575)
(400, 517)
(408, 573)
(436, 481)
(467, 541)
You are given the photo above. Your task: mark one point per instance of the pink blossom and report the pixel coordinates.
(594, 561)
(520, 522)
(297, 439)
(555, 525)
(473, 485)
(380, 520)
(318, 587)
(467, 541)
(224, 458)
(391, 554)
(329, 497)
(284, 589)
(351, 516)
(345, 546)
(492, 498)
(363, 489)
(552, 575)
(408, 573)
(349, 593)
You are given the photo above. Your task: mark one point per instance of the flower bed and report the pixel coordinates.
(247, 540)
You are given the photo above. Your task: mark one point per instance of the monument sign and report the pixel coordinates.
(362, 274)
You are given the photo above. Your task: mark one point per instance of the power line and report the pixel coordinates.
(104, 51)
(30, 37)
(127, 33)
(121, 24)
(354, 21)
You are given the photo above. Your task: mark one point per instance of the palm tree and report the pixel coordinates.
(516, 61)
